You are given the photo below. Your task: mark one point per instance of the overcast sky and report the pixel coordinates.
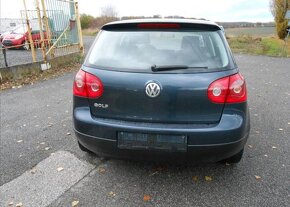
(215, 10)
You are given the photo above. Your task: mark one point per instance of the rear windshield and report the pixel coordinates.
(141, 50)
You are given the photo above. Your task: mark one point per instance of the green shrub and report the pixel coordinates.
(86, 21)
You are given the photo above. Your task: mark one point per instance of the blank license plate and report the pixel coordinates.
(173, 143)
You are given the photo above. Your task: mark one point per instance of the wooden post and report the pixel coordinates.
(78, 21)
(41, 31)
(29, 34)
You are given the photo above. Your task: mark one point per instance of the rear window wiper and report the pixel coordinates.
(156, 68)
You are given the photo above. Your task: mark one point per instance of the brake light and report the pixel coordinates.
(87, 85)
(231, 89)
(237, 89)
(217, 91)
(158, 26)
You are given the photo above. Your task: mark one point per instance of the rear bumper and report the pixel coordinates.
(206, 143)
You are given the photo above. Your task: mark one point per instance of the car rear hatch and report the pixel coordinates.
(181, 62)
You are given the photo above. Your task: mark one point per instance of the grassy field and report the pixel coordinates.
(90, 32)
(252, 31)
(258, 41)
(271, 46)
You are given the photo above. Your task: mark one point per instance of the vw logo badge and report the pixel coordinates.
(152, 89)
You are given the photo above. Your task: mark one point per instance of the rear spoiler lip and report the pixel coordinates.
(120, 26)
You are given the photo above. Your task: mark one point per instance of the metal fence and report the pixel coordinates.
(51, 29)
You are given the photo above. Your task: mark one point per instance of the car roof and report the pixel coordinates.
(165, 20)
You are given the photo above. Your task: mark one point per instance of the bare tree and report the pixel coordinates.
(109, 11)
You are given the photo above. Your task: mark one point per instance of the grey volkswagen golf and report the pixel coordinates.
(161, 89)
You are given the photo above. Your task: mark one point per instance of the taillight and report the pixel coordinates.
(87, 85)
(231, 89)
(237, 89)
(218, 90)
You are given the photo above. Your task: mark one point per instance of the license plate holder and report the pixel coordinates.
(160, 142)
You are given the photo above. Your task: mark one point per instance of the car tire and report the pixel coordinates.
(26, 45)
(235, 158)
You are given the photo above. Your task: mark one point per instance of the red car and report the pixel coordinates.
(18, 38)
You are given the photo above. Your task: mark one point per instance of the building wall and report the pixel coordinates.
(9, 24)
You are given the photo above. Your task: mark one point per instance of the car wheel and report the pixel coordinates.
(25, 45)
(236, 158)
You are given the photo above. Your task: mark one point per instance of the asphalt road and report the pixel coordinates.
(19, 56)
(41, 165)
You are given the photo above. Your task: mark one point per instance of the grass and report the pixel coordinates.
(270, 46)
(90, 32)
(257, 41)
